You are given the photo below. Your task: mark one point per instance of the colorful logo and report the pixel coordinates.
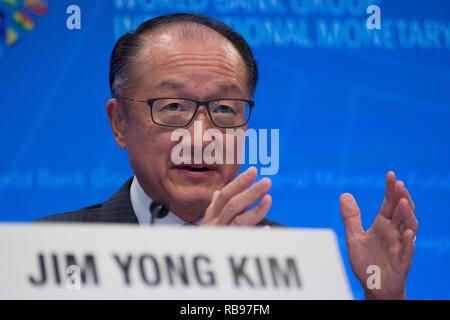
(18, 17)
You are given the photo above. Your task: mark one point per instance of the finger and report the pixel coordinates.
(214, 196)
(351, 215)
(405, 193)
(409, 221)
(404, 217)
(398, 221)
(255, 215)
(399, 191)
(402, 192)
(390, 186)
(397, 217)
(407, 248)
(245, 199)
(210, 213)
(401, 228)
(387, 208)
(239, 184)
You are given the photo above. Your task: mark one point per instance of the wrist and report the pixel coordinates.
(376, 294)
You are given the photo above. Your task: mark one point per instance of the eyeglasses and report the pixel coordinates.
(179, 112)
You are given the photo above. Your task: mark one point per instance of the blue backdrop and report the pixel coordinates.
(350, 103)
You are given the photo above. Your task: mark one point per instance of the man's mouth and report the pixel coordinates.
(196, 167)
(196, 170)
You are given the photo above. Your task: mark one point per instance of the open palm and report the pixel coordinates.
(388, 244)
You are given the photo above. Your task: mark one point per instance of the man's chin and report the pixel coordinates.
(189, 193)
(193, 194)
(190, 206)
(192, 191)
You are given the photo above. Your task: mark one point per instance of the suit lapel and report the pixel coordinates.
(119, 208)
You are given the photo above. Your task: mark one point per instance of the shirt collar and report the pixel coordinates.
(141, 204)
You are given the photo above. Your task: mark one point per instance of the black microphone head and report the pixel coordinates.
(159, 209)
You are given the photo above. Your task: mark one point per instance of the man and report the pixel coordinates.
(179, 69)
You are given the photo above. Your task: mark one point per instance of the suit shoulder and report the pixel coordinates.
(87, 214)
(117, 209)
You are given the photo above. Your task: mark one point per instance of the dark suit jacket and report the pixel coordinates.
(117, 209)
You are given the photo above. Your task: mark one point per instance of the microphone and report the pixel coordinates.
(158, 210)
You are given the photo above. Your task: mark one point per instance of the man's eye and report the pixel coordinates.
(223, 109)
(173, 107)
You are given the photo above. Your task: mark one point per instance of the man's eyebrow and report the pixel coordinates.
(227, 87)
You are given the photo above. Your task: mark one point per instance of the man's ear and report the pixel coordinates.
(118, 119)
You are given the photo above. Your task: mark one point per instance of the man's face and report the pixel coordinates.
(169, 66)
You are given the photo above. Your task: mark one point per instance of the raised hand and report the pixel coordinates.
(388, 244)
(229, 205)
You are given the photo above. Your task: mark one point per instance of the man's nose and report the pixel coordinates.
(203, 117)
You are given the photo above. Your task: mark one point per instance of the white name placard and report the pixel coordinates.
(93, 261)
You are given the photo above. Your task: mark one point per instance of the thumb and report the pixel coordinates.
(351, 215)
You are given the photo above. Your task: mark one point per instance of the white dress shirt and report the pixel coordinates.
(141, 206)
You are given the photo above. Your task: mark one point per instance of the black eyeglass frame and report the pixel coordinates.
(198, 104)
